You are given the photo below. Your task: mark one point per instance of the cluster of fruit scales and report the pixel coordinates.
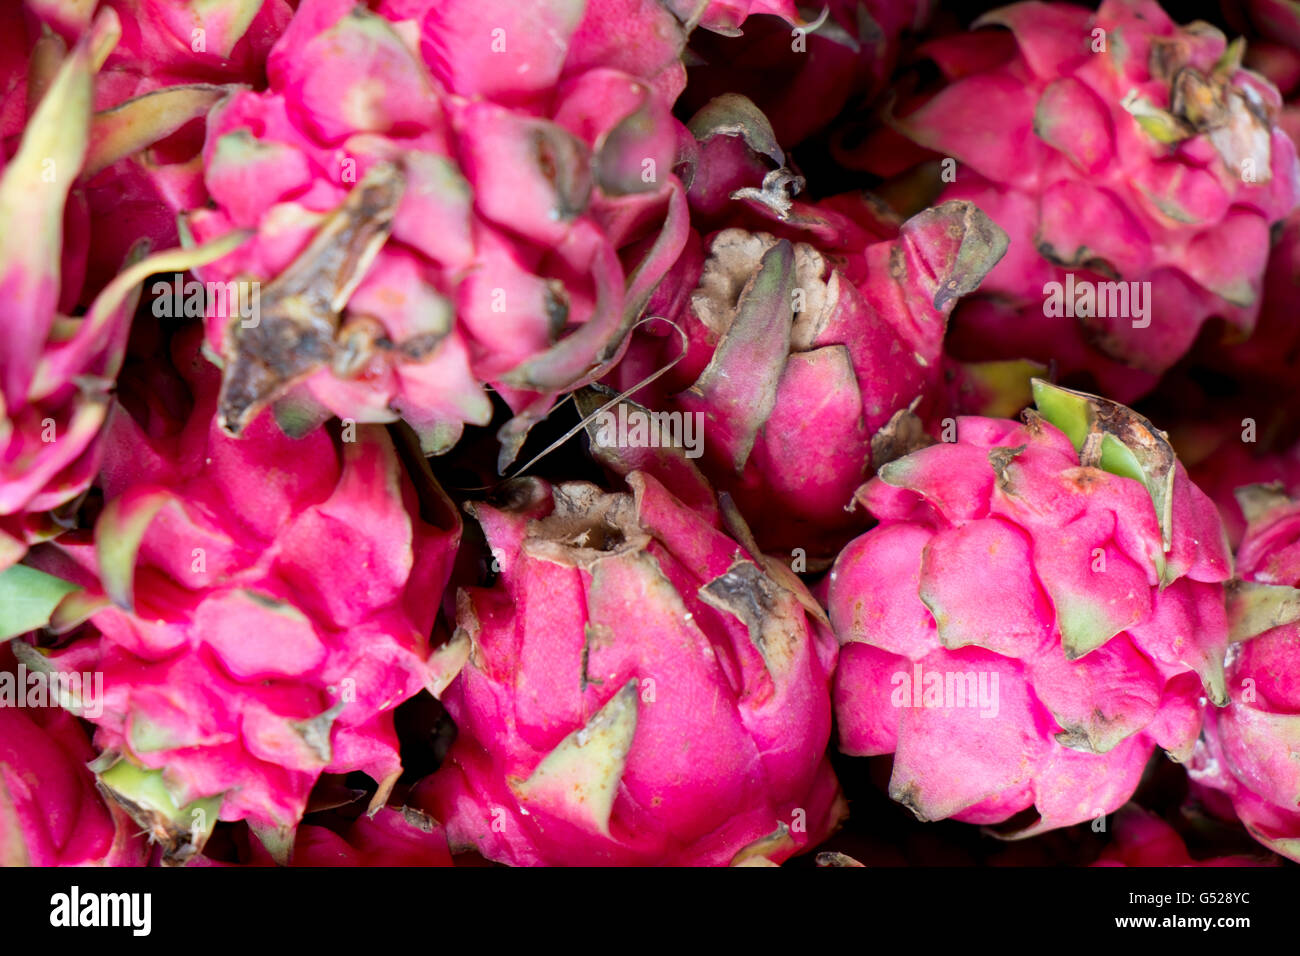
(818, 328)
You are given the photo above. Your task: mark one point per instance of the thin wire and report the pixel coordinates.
(598, 412)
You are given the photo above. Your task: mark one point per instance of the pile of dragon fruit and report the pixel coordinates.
(649, 432)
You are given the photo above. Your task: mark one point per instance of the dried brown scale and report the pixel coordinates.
(300, 309)
(902, 434)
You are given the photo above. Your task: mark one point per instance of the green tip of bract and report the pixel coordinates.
(1116, 439)
(28, 599)
(118, 534)
(143, 794)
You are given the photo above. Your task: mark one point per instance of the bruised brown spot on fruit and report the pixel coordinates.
(1149, 444)
(419, 819)
(1089, 737)
(1084, 479)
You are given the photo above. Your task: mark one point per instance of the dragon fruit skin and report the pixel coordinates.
(1123, 165)
(257, 607)
(56, 370)
(491, 179)
(639, 691)
(1250, 751)
(50, 812)
(1000, 556)
(814, 333)
(1143, 839)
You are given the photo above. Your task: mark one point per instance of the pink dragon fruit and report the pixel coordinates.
(641, 689)
(1038, 608)
(257, 609)
(1137, 169)
(1143, 839)
(445, 195)
(1250, 751)
(56, 370)
(50, 812)
(814, 337)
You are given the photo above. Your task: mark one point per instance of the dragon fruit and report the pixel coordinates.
(814, 333)
(1143, 839)
(1038, 609)
(57, 370)
(257, 608)
(1250, 751)
(1137, 169)
(446, 195)
(50, 812)
(641, 689)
